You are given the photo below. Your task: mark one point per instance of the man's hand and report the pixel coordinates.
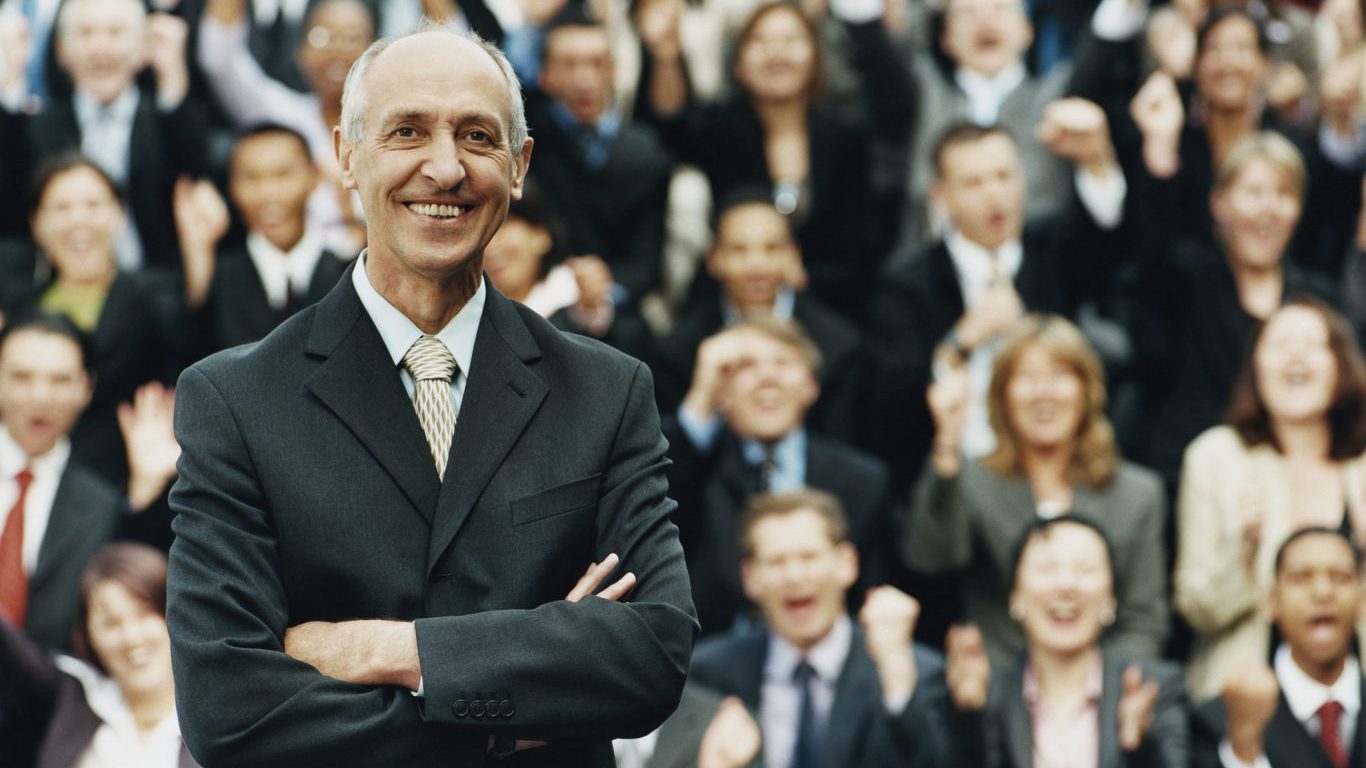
(888, 617)
(1172, 40)
(948, 397)
(148, 431)
(1076, 129)
(1135, 708)
(201, 220)
(592, 577)
(595, 281)
(1251, 512)
(999, 308)
(1286, 87)
(1340, 94)
(657, 23)
(732, 738)
(1250, 698)
(16, 49)
(1157, 111)
(967, 670)
(166, 36)
(364, 652)
(718, 357)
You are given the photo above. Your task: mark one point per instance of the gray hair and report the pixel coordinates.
(353, 91)
(67, 13)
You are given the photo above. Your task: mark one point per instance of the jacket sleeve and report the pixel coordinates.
(937, 536)
(1141, 624)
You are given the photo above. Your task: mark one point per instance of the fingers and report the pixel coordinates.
(591, 578)
(619, 589)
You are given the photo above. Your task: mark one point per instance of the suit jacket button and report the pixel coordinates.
(506, 706)
(477, 708)
(460, 708)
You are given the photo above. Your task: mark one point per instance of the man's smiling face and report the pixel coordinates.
(434, 167)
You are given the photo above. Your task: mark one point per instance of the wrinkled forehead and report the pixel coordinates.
(983, 9)
(435, 70)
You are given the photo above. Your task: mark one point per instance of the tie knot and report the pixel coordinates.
(428, 359)
(804, 673)
(24, 477)
(1331, 712)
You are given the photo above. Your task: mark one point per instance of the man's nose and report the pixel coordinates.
(444, 165)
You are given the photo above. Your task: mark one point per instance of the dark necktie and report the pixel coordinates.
(806, 753)
(1330, 733)
(764, 471)
(13, 577)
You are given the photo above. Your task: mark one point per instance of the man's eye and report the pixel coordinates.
(405, 132)
(480, 137)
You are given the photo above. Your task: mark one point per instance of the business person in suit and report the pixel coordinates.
(606, 180)
(1304, 710)
(143, 137)
(1068, 699)
(240, 293)
(331, 562)
(1055, 453)
(707, 730)
(57, 513)
(741, 430)
(827, 692)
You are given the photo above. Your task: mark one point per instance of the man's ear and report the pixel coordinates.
(344, 150)
(747, 579)
(522, 161)
(848, 563)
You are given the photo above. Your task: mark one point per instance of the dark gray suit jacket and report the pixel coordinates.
(85, 514)
(1286, 743)
(860, 732)
(307, 492)
(1003, 736)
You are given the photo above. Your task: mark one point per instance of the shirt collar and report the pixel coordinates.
(976, 264)
(998, 85)
(13, 459)
(784, 452)
(606, 128)
(297, 264)
(784, 303)
(121, 109)
(826, 657)
(1306, 695)
(1094, 681)
(399, 333)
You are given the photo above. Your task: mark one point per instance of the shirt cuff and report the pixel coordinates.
(895, 705)
(421, 691)
(856, 11)
(1103, 196)
(1117, 20)
(1229, 760)
(702, 434)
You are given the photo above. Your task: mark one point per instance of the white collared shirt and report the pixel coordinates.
(1306, 696)
(265, 11)
(118, 741)
(282, 273)
(987, 93)
(399, 333)
(780, 700)
(977, 269)
(107, 130)
(47, 475)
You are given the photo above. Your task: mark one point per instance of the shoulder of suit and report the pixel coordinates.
(862, 467)
(1131, 477)
(93, 491)
(727, 650)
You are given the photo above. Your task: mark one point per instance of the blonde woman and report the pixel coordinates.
(1055, 454)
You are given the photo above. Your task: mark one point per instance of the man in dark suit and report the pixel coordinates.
(827, 692)
(754, 268)
(241, 294)
(341, 592)
(1305, 710)
(968, 288)
(741, 430)
(57, 514)
(142, 137)
(607, 180)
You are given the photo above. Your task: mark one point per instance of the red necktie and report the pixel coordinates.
(13, 578)
(1330, 733)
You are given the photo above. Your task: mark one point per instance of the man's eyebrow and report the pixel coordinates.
(404, 116)
(412, 115)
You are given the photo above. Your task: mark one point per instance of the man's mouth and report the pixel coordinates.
(437, 211)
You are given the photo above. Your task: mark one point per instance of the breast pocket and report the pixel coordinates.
(561, 500)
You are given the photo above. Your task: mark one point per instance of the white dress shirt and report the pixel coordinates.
(1306, 696)
(107, 139)
(47, 475)
(399, 333)
(284, 273)
(780, 700)
(986, 93)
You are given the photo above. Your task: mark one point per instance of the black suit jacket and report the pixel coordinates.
(616, 211)
(838, 412)
(237, 311)
(860, 732)
(1286, 743)
(307, 492)
(85, 514)
(1067, 261)
(712, 489)
(162, 147)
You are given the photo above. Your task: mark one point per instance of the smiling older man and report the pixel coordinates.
(383, 504)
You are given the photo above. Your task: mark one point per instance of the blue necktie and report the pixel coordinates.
(39, 38)
(807, 751)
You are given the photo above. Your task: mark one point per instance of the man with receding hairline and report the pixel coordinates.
(386, 506)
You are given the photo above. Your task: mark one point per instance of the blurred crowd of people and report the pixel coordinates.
(1007, 350)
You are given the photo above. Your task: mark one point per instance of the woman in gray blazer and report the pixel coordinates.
(1068, 700)
(1055, 453)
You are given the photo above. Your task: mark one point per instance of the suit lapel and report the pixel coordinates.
(1289, 745)
(501, 395)
(1107, 717)
(359, 384)
(1018, 729)
(849, 716)
(68, 528)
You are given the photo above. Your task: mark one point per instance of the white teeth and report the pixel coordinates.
(436, 211)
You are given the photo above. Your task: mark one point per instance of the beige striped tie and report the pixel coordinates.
(432, 366)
